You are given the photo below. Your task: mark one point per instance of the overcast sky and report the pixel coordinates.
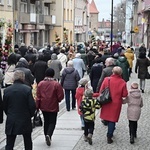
(104, 8)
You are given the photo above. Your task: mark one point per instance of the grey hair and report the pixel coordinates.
(110, 61)
(19, 75)
(70, 63)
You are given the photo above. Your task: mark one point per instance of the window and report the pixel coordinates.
(9, 2)
(46, 10)
(32, 8)
(1, 2)
(23, 7)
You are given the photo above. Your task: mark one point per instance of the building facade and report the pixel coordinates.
(6, 15)
(81, 19)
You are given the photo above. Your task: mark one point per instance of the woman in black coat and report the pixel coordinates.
(19, 107)
(1, 109)
(141, 68)
(95, 73)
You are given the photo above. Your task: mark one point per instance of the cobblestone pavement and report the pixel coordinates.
(121, 134)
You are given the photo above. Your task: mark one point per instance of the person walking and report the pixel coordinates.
(130, 57)
(111, 111)
(141, 68)
(79, 65)
(79, 96)
(55, 64)
(19, 107)
(135, 102)
(1, 108)
(69, 82)
(49, 95)
(88, 107)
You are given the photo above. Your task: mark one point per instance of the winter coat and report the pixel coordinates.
(123, 63)
(23, 66)
(39, 69)
(118, 89)
(95, 75)
(79, 96)
(1, 108)
(79, 65)
(70, 78)
(135, 102)
(130, 57)
(55, 64)
(105, 73)
(49, 94)
(88, 107)
(19, 107)
(141, 67)
(9, 74)
(63, 59)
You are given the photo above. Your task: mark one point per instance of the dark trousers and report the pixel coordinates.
(132, 128)
(10, 141)
(50, 119)
(67, 98)
(88, 128)
(111, 128)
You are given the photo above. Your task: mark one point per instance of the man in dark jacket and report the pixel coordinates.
(23, 49)
(23, 65)
(19, 107)
(1, 109)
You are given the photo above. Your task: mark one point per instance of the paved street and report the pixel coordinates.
(69, 136)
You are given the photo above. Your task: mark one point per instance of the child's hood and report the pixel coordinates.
(135, 93)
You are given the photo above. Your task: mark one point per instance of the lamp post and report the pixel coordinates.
(131, 27)
(111, 40)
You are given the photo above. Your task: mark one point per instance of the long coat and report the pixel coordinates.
(19, 106)
(135, 102)
(130, 57)
(141, 67)
(118, 89)
(1, 109)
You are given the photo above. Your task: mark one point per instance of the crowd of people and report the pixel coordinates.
(60, 73)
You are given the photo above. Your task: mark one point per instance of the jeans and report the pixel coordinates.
(142, 84)
(82, 121)
(67, 98)
(111, 128)
(10, 141)
(50, 119)
(89, 128)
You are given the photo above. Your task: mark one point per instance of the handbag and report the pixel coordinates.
(37, 120)
(105, 96)
(147, 75)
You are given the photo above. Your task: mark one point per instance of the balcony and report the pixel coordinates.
(47, 20)
(24, 18)
(40, 19)
(50, 1)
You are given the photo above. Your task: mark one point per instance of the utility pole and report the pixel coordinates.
(111, 40)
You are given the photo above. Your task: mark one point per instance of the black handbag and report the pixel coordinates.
(105, 96)
(147, 75)
(37, 120)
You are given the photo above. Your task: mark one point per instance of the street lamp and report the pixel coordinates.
(111, 40)
(131, 27)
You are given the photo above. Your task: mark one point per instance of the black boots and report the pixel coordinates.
(131, 139)
(109, 140)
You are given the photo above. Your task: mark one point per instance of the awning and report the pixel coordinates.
(147, 9)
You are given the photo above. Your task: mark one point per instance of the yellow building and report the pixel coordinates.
(6, 16)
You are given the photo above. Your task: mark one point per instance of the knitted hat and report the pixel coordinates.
(49, 72)
(88, 93)
(83, 81)
(134, 85)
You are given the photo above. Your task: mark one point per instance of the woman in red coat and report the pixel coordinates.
(111, 111)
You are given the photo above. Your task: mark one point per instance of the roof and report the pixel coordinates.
(93, 8)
